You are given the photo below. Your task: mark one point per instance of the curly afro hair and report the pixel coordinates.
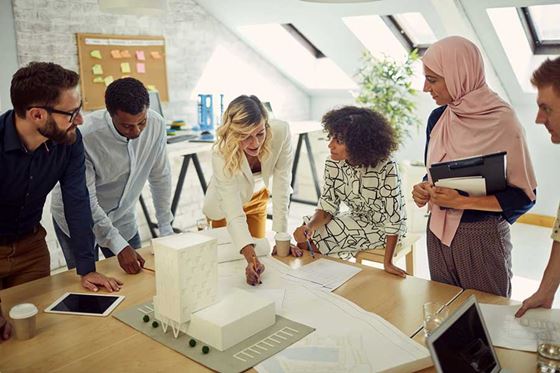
(367, 135)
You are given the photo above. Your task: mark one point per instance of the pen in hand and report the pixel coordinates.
(257, 270)
(309, 244)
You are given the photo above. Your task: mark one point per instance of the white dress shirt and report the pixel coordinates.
(116, 171)
(227, 194)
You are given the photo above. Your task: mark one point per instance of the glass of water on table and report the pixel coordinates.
(434, 315)
(548, 351)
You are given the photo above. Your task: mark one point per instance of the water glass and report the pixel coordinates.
(434, 315)
(548, 352)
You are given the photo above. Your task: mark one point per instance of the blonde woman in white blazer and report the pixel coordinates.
(249, 151)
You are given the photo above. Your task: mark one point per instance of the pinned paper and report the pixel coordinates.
(140, 56)
(108, 80)
(95, 54)
(140, 68)
(151, 87)
(125, 54)
(155, 55)
(97, 69)
(98, 79)
(125, 67)
(116, 54)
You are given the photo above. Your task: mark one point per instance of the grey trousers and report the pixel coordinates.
(479, 257)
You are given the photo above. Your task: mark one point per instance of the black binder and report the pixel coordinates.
(492, 167)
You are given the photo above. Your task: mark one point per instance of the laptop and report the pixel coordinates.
(462, 343)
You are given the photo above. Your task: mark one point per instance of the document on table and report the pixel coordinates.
(518, 333)
(473, 185)
(323, 273)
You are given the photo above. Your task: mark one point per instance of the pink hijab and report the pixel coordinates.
(477, 122)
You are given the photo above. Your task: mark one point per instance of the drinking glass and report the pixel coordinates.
(434, 315)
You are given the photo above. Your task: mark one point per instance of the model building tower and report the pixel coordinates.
(186, 278)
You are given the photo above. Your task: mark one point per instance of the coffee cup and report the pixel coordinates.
(24, 318)
(282, 243)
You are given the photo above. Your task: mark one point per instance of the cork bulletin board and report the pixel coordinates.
(104, 58)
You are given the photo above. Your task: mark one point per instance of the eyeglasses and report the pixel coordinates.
(72, 114)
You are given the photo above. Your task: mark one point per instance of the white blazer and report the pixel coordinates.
(226, 194)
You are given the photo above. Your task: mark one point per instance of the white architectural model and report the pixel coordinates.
(186, 278)
(232, 320)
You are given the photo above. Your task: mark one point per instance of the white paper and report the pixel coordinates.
(518, 333)
(324, 273)
(473, 185)
(365, 343)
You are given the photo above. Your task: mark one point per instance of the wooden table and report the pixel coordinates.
(397, 300)
(66, 343)
(512, 360)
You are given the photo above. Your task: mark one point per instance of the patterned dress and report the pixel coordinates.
(375, 204)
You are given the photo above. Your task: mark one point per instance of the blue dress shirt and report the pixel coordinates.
(28, 177)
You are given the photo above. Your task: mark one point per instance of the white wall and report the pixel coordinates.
(8, 52)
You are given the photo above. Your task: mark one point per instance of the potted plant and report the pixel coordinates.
(386, 87)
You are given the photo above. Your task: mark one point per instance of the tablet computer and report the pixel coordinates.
(85, 304)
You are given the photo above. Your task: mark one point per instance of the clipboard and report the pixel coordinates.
(492, 167)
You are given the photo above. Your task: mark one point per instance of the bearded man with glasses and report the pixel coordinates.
(40, 146)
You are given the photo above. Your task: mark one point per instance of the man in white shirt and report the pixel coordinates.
(547, 81)
(125, 146)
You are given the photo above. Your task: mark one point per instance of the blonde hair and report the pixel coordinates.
(239, 120)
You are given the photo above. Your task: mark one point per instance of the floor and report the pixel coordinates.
(531, 250)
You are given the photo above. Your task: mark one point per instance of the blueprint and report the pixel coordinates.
(346, 338)
(518, 333)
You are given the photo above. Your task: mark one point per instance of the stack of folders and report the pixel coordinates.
(475, 176)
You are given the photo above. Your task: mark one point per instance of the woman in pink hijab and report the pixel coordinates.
(468, 237)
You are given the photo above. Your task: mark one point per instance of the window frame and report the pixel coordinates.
(305, 42)
(402, 36)
(538, 46)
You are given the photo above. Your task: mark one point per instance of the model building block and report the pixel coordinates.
(186, 277)
(235, 318)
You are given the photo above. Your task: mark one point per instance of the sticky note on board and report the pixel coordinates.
(116, 54)
(108, 80)
(155, 55)
(125, 54)
(140, 56)
(95, 54)
(98, 79)
(140, 68)
(97, 69)
(125, 67)
(151, 87)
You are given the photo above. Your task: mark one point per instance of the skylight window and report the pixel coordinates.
(374, 35)
(417, 29)
(522, 57)
(287, 52)
(392, 35)
(411, 29)
(542, 28)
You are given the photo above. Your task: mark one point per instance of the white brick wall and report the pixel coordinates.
(45, 31)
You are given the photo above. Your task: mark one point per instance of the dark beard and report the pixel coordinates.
(52, 132)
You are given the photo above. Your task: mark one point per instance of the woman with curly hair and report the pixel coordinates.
(249, 151)
(360, 174)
